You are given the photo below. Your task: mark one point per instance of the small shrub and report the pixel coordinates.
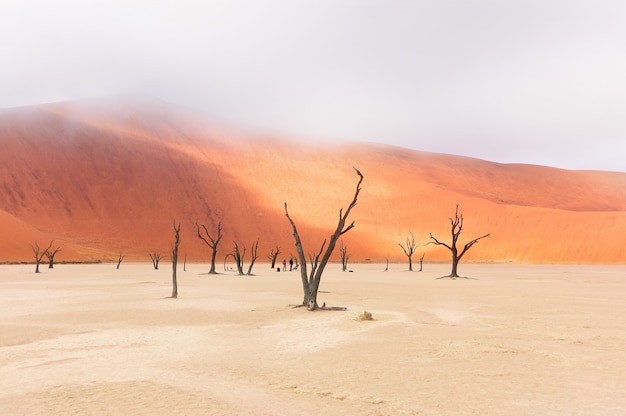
(365, 316)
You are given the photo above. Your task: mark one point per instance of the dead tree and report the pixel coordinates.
(456, 229)
(343, 251)
(311, 283)
(39, 254)
(50, 255)
(422, 261)
(409, 248)
(273, 256)
(238, 256)
(119, 260)
(253, 252)
(211, 241)
(175, 259)
(156, 257)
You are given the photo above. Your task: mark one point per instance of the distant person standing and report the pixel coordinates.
(284, 265)
(291, 264)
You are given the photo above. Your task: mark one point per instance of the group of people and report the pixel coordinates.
(285, 264)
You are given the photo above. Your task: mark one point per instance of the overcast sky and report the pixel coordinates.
(525, 81)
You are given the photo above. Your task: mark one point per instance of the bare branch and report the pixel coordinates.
(437, 242)
(471, 243)
(253, 252)
(348, 228)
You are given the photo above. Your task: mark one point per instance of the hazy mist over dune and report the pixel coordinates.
(102, 177)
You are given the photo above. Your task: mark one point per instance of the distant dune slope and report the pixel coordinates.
(108, 176)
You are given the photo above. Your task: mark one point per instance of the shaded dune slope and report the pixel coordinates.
(104, 177)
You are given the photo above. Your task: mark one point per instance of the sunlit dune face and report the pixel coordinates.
(103, 183)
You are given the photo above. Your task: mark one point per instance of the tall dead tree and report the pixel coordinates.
(39, 254)
(211, 241)
(273, 256)
(343, 252)
(50, 255)
(253, 252)
(311, 283)
(408, 248)
(175, 259)
(156, 257)
(456, 229)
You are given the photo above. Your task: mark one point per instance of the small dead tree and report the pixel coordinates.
(119, 260)
(238, 256)
(175, 259)
(409, 248)
(253, 252)
(273, 256)
(50, 255)
(456, 229)
(422, 261)
(210, 241)
(39, 254)
(343, 251)
(156, 257)
(311, 283)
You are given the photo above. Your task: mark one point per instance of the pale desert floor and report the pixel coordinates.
(513, 340)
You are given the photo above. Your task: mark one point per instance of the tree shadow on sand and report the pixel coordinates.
(322, 308)
(457, 277)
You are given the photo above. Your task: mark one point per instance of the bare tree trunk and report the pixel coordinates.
(421, 261)
(455, 267)
(310, 284)
(253, 253)
(213, 256)
(119, 260)
(175, 259)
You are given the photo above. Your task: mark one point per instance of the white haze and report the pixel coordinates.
(538, 81)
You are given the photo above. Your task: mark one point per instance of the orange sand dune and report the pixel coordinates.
(105, 177)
